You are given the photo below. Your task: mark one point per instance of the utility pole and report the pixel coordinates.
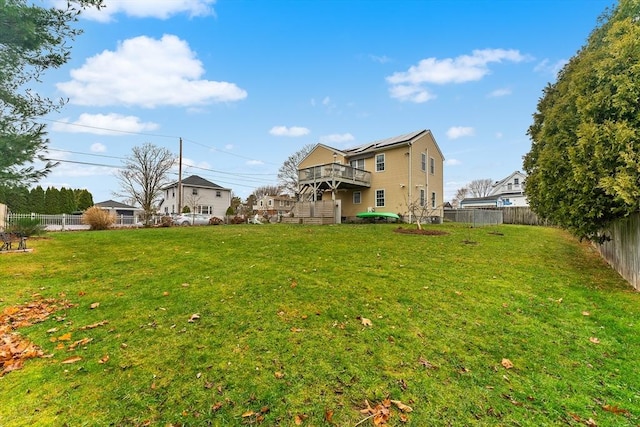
(180, 180)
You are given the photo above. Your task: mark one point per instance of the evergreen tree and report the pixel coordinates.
(32, 40)
(36, 200)
(584, 164)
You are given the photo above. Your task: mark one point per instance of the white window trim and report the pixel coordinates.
(423, 162)
(384, 197)
(384, 162)
(432, 165)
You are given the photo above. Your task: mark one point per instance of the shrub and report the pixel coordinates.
(98, 219)
(166, 221)
(27, 227)
(186, 209)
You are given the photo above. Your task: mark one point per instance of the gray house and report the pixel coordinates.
(199, 195)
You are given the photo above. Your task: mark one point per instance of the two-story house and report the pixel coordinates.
(273, 205)
(402, 175)
(199, 195)
(504, 193)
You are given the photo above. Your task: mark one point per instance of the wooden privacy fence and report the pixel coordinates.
(319, 213)
(622, 252)
(521, 215)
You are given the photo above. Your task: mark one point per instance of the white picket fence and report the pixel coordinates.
(66, 222)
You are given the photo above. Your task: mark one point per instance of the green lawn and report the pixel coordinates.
(302, 325)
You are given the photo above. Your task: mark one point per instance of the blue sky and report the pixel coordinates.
(246, 84)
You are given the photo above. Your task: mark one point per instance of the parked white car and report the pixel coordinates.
(191, 219)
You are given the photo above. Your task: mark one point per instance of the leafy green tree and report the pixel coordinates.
(52, 205)
(67, 201)
(32, 40)
(84, 199)
(584, 164)
(36, 200)
(15, 198)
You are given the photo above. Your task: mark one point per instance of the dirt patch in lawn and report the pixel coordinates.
(422, 232)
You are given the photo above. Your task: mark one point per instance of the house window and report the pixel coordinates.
(261, 203)
(422, 197)
(358, 164)
(281, 203)
(218, 193)
(270, 202)
(432, 165)
(380, 163)
(423, 162)
(509, 186)
(433, 200)
(379, 198)
(205, 210)
(357, 197)
(194, 191)
(173, 194)
(516, 181)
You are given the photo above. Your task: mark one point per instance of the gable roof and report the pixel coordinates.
(195, 181)
(384, 143)
(114, 205)
(498, 184)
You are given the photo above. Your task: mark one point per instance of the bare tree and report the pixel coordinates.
(288, 172)
(480, 187)
(267, 190)
(144, 174)
(461, 193)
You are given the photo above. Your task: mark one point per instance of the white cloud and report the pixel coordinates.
(228, 147)
(163, 9)
(326, 100)
(460, 131)
(413, 93)
(292, 131)
(254, 162)
(381, 59)
(97, 147)
(545, 67)
(500, 92)
(499, 135)
(104, 124)
(452, 162)
(336, 138)
(147, 72)
(408, 85)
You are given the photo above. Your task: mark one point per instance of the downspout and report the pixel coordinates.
(409, 201)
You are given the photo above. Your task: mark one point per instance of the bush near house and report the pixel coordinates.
(98, 219)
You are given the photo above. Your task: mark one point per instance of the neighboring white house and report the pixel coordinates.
(504, 193)
(200, 195)
(272, 205)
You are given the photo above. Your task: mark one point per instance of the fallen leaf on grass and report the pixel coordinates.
(104, 359)
(65, 337)
(586, 313)
(94, 325)
(365, 321)
(72, 359)
(94, 305)
(594, 340)
(83, 341)
(194, 317)
(402, 406)
(278, 375)
(615, 409)
(328, 416)
(507, 363)
(424, 362)
(299, 419)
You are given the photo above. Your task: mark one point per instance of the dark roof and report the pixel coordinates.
(195, 181)
(383, 143)
(114, 204)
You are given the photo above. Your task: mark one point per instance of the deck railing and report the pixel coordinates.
(334, 171)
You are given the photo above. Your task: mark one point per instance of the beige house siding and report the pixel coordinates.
(401, 180)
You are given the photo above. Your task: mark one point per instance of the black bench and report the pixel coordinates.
(8, 239)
